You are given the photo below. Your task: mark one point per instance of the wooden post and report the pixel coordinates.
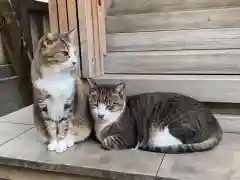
(89, 18)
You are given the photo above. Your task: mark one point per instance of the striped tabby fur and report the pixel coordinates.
(159, 122)
(61, 111)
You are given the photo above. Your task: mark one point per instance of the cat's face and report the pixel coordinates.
(107, 103)
(58, 50)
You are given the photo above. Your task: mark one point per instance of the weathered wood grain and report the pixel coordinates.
(210, 18)
(206, 88)
(174, 62)
(102, 27)
(86, 37)
(73, 24)
(143, 6)
(53, 15)
(62, 15)
(96, 37)
(175, 40)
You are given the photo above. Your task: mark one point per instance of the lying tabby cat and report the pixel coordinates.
(61, 111)
(159, 122)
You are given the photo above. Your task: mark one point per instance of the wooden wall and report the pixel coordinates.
(186, 46)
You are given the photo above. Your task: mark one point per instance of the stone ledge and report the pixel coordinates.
(85, 159)
(23, 149)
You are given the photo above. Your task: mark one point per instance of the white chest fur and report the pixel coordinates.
(108, 118)
(60, 87)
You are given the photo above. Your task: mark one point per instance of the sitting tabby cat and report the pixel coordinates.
(159, 122)
(61, 111)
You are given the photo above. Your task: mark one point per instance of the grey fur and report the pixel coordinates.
(186, 118)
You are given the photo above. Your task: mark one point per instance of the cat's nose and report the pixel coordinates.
(73, 63)
(100, 116)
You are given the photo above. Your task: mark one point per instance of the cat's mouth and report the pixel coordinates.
(73, 65)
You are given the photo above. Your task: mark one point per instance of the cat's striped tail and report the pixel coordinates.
(187, 148)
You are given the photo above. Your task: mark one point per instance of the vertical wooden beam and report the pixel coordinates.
(102, 33)
(46, 26)
(86, 37)
(73, 23)
(62, 15)
(88, 16)
(53, 15)
(96, 38)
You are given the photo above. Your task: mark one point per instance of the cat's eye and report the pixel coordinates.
(94, 105)
(44, 45)
(65, 53)
(49, 42)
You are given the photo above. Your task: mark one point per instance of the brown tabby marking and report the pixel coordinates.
(160, 122)
(61, 111)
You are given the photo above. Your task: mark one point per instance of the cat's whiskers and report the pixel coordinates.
(107, 119)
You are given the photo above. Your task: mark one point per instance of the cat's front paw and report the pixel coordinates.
(69, 142)
(106, 144)
(52, 145)
(61, 146)
(113, 142)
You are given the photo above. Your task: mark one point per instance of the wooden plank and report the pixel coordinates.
(86, 37)
(143, 6)
(175, 40)
(206, 88)
(46, 25)
(53, 15)
(17, 173)
(73, 23)
(174, 62)
(102, 27)
(102, 35)
(212, 18)
(96, 37)
(34, 31)
(62, 15)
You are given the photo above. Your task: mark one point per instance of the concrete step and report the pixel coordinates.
(87, 160)
(10, 97)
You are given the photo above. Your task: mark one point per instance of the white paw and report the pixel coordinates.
(61, 147)
(52, 146)
(69, 143)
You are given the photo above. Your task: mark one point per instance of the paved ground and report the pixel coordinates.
(20, 146)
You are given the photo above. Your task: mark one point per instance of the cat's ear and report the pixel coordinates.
(72, 35)
(92, 84)
(120, 87)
